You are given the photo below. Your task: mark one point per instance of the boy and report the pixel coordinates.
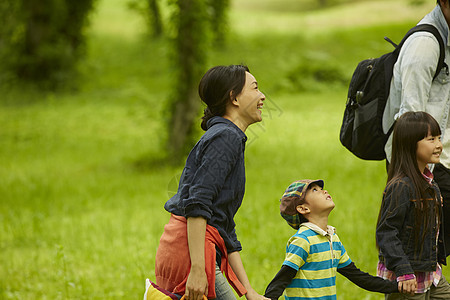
(315, 253)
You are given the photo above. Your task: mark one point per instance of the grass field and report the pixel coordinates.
(81, 208)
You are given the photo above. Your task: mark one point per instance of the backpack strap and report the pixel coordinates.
(441, 63)
(433, 30)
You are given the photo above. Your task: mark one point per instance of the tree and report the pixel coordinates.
(190, 44)
(156, 18)
(43, 40)
(218, 19)
(195, 24)
(150, 10)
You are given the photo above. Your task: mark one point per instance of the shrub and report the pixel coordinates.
(42, 40)
(314, 72)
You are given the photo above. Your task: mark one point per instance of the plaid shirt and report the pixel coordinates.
(424, 279)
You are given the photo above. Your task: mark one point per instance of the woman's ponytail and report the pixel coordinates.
(207, 114)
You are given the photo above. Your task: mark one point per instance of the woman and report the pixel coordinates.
(199, 242)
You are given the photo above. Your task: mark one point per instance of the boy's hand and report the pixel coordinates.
(407, 286)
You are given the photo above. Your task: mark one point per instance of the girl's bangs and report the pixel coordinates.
(433, 127)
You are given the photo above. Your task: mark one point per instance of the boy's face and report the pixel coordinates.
(318, 200)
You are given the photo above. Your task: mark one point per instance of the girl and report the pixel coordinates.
(200, 242)
(410, 229)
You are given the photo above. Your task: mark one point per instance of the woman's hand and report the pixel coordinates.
(407, 286)
(253, 295)
(235, 261)
(196, 285)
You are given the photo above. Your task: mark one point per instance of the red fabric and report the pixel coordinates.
(173, 262)
(163, 291)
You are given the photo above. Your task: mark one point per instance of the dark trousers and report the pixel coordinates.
(442, 178)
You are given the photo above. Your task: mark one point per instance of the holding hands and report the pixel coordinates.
(253, 295)
(407, 286)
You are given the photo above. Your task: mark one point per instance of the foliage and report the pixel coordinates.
(304, 5)
(314, 73)
(156, 17)
(416, 2)
(219, 20)
(43, 40)
(10, 31)
(151, 12)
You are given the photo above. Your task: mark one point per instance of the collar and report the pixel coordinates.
(220, 120)
(330, 229)
(436, 18)
(428, 175)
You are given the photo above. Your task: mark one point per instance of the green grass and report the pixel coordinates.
(81, 212)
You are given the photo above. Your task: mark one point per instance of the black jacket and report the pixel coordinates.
(396, 231)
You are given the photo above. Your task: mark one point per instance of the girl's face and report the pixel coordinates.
(250, 101)
(428, 151)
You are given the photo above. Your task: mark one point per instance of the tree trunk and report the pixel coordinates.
(219, 20)
(183, 122)
(190, 45)
(156, 18)
(36, 33)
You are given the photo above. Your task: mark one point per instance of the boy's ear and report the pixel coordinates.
(302, 209)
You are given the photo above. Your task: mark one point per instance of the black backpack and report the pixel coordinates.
(361, 129)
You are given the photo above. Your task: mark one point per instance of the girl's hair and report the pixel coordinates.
(409, 129)
(218, 86)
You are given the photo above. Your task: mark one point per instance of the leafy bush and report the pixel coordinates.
(42, 40)
(315, 72)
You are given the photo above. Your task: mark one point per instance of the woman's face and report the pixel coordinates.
(250, 101)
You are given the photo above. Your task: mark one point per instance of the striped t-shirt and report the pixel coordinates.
(315, 254)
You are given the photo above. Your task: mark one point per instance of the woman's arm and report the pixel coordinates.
(197, 282)
(235, 261)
